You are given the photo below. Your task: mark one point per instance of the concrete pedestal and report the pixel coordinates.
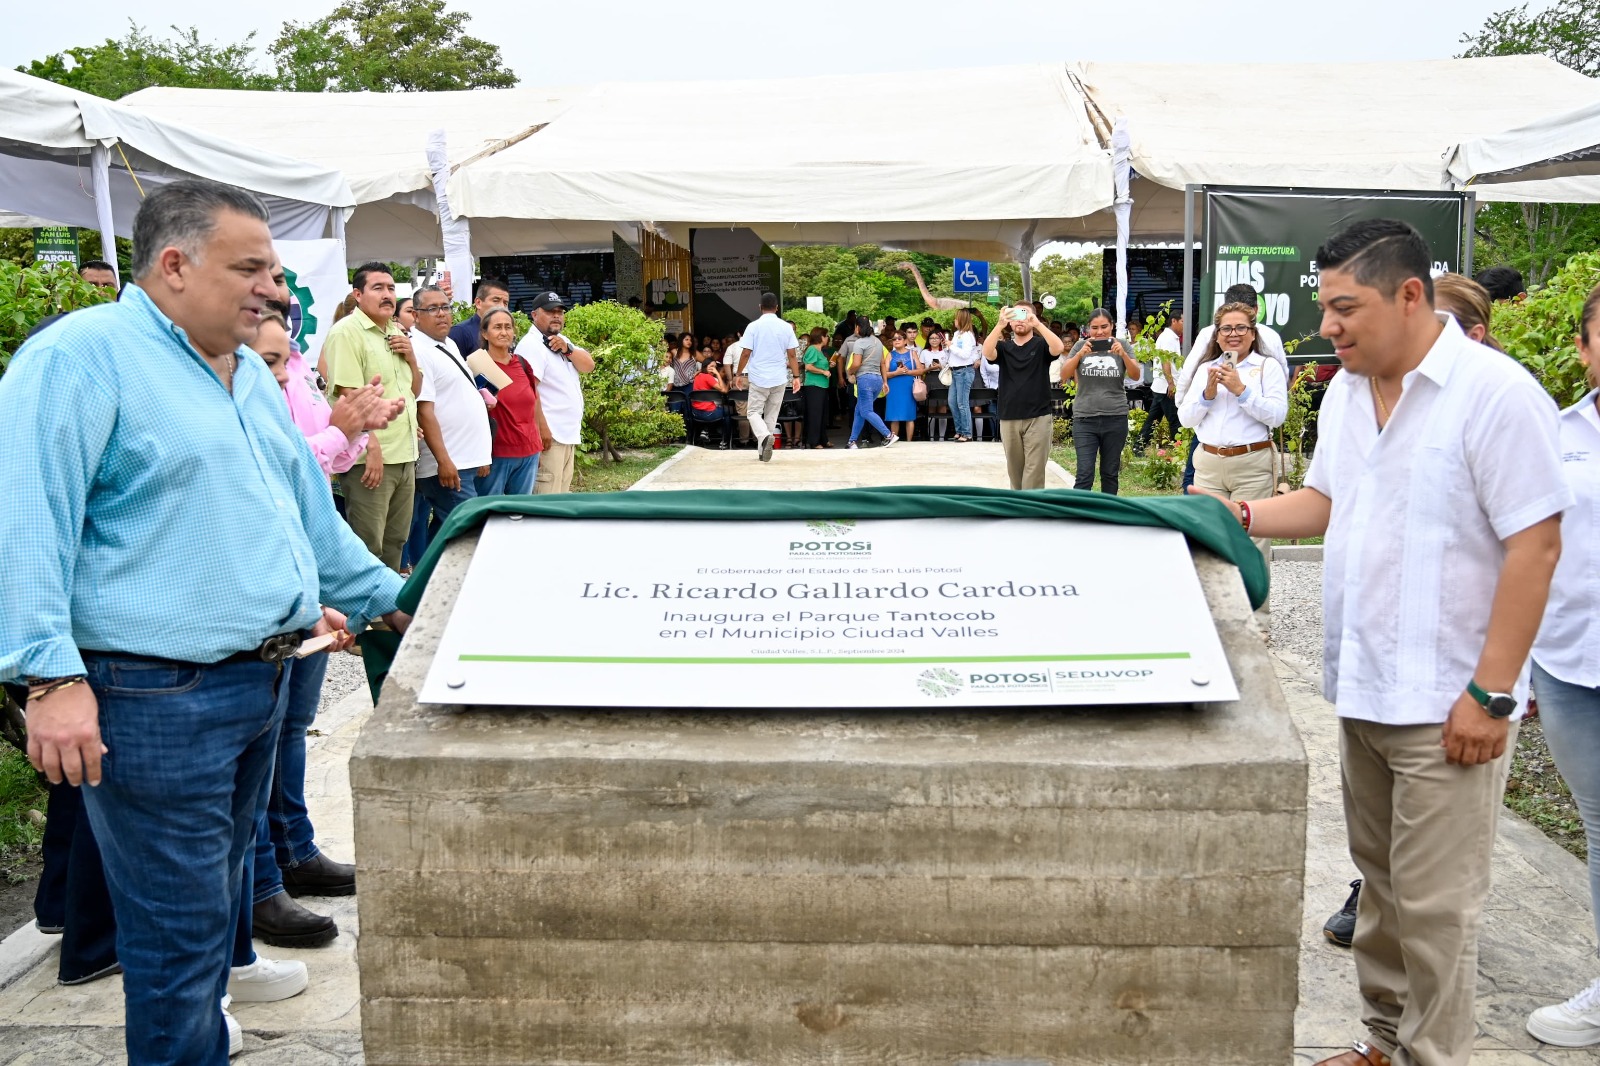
(876, 886)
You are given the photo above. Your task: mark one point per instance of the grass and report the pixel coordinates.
(603, 476)
(21, 830)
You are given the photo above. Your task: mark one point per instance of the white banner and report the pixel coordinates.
(908, 613)
(318, 282)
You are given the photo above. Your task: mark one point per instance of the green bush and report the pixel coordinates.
(34, 292)
(806, 321)
(1540, 331)
(623, 406)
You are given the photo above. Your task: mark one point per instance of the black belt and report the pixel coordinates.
(275, 649)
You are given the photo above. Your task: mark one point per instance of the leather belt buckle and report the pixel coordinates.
(276, 649)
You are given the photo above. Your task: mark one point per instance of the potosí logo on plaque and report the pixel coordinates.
(825, 539)
(940, 682)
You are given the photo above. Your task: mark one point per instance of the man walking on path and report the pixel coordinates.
(1438, 483)
(151, 598)
(1027, 418)
(558, 364)
(368, 346)
(770, 349)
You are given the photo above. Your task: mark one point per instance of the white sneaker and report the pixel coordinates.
(851, 447)
(235, 1034)
(892, 439)
(1575, 1023)
(266, 981)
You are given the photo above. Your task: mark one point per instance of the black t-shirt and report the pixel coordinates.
(1024, 378)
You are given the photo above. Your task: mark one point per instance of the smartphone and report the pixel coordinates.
(1230, 360)
(1102, 345)
(1019, 314)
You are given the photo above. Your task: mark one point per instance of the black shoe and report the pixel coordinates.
(108, 971)
(321, 876)
(282, 922)
(1341, 928)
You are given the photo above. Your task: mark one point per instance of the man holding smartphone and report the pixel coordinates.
(1026, 416)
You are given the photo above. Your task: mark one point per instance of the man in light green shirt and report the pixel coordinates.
(363, 347)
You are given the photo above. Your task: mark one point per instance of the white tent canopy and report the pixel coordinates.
(1373, 126)
(992, 163)
(379, 142)
(1558, 146)
(79, 160)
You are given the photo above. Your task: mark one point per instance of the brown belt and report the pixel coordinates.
(1238, 449)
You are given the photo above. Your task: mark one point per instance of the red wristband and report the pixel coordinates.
(1244, 515)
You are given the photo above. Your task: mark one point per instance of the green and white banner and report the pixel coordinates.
(318, 282)
(1268, 238)
(55, 244)
(922, 612)
(732, 268)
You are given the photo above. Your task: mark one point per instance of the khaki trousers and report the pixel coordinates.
(555, 468)
(1248, 477)
(1027, 446)
(381, 517)
(1421, 832)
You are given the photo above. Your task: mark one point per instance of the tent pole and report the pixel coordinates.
(100, 176)
(1188, 262)
(1470, 214)
(1121, 162)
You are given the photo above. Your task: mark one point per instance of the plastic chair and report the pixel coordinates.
(985, 398)
(937, 425)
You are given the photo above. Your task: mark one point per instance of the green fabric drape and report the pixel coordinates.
(1201, 518)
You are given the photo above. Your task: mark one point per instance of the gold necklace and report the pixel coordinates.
(1378, 396)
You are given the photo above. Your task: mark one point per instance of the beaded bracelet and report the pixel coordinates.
(1244, 515)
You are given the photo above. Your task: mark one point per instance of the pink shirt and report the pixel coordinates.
(335, 452)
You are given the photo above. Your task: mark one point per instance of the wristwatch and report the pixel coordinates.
(1496, 704)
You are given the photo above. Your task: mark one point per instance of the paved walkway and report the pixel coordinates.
(1536, 941)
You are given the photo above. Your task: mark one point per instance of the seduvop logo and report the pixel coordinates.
(939, 682)
(829, 538)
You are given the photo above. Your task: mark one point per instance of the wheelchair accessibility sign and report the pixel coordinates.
(971, 275)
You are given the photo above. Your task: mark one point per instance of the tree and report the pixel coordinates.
(623, 406)
(1075, 283)
(1538, 238)
(34, 292)
(115, 68)
(1540, 331)
(1567, 31)
(387, 45)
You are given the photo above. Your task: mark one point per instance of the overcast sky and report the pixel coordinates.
(577, 43)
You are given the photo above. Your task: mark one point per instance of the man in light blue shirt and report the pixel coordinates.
(172, 539)
(769, 347)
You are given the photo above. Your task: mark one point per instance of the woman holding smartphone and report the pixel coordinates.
(1236, 398)
(1100, 409)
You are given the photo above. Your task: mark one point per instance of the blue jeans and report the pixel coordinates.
(960, 399)
(284, 834)
(722, 418)
(1188, 467)
(433, 505)
(509, 477)
(189, 761)
(72, 888)
(1570, 715)
(867, 388)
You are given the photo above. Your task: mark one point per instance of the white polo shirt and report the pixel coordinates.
(1568, 646)
(457, 406)
(560, 387)
(769, 339)
(1168, 342)
(1471, 456)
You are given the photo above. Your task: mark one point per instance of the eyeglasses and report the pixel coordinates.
(437, 309)
(1234, 329)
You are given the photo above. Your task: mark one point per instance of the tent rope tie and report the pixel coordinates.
(129, 168)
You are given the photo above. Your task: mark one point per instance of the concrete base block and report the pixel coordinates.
(1075, 885)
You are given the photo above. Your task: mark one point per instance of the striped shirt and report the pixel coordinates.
(151, 511)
